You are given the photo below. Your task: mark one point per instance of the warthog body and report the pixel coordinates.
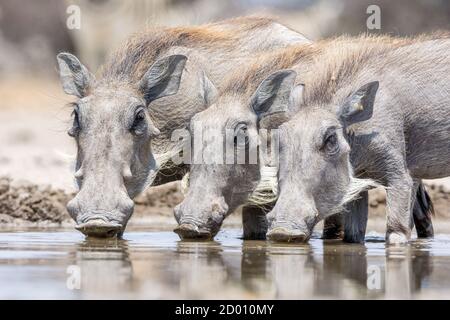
(371, 114)
(260, 97)
(124, 119)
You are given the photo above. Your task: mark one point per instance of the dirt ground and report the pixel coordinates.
(36, 156)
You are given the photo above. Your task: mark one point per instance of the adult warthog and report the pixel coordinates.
(123, 120)
(260, 97)
(371, 115)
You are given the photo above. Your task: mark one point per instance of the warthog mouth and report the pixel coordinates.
(282, 234)
(100, 228)
(191, 231)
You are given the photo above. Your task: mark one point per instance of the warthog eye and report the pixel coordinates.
(139, 125)
(331, 145)
(75, 125)
(241, 135)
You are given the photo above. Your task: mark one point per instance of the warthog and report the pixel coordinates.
(123, 120)
(258, 98)
(368, 115)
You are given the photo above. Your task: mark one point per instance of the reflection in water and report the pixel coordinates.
(406, 271)
(344, 271)
(254, 269)
(105, 266)
(291, 268)
(199, 267)
(158, 265)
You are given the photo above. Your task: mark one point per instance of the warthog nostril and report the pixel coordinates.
(281, 234)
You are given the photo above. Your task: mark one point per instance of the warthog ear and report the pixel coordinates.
(275, 119)
(163, 77)
(273, 93)
(359, 106)
(75, 77)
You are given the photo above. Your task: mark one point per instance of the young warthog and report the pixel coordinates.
(255, 98)
(123, 121)
(366, 115)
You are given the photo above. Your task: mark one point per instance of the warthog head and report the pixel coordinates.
(315, 175)
(228, 170)
(113, 131)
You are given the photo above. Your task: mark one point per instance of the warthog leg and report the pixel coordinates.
(356, 219)
(422, 212)
(400, 198)
(254, 222)
(333, 227)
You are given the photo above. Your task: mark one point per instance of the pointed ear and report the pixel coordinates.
(273, 93)
(276, 119)
(163, 77)
(359, 106)
(75, 78)
(209, 91)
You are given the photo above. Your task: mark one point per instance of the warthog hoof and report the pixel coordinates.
(280, 234)
(100, 229)
(190, 231)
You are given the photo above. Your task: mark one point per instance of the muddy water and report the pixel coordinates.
(65, 265)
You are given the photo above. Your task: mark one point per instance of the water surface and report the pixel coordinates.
(155, 265)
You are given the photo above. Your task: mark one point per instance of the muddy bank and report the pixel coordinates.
(24, 203)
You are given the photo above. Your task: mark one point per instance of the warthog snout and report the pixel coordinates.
(286, 229)
(203, 224)
(191, 231)
(283, 234)
(100, 228)
(101, 223)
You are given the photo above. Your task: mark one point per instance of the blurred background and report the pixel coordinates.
(33, 115)
(32, 32)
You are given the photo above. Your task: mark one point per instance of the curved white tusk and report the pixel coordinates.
(79, 174)
(126, 172)
(155, 132)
